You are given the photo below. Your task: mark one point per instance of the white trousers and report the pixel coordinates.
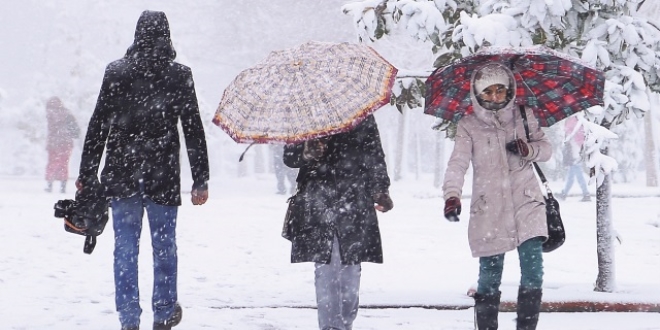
(337, 292)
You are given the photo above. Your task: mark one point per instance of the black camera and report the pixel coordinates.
(87, 215)
(66, 209)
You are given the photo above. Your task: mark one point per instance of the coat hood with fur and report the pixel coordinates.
(496, 117)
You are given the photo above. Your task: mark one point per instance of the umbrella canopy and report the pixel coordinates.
(553, 84)
(310, 91)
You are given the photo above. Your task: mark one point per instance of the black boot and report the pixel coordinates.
(529, 306)
(486, 308)
(173, 321)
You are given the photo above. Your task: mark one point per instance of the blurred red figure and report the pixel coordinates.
(62, 129)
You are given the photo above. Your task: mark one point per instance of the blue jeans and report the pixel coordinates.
(127, 224)
(575, 172)
(530, 254)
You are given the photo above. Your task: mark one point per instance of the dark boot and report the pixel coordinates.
(529, 306)
(173, 321)
(486, 308)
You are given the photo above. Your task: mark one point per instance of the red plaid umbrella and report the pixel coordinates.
(553, 84)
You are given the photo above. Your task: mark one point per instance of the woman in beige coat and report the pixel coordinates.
(507, 209)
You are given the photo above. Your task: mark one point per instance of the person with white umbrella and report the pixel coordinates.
(343, 180)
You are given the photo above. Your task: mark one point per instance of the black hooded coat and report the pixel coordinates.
(143, 96)
(338, 192)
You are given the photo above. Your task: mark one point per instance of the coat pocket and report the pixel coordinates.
(534, 197)
(478, 205)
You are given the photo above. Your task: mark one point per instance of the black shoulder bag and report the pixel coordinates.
(294, 214)
(556, 233)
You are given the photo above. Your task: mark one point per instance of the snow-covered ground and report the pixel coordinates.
(234, 270)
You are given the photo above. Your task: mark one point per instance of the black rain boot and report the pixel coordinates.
(529, 306)
(486, 309)
(173, 321)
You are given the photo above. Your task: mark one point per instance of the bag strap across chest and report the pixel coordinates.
(536, 166)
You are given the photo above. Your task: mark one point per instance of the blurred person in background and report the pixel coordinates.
(571, 158)
(283, 173)
(62, 130)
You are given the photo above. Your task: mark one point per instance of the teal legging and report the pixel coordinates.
(531, 268)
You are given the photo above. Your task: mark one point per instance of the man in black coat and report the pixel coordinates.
(343, 180)
(143, 97)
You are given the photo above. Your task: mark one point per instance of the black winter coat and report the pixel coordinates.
(338, 192)
(143, 96)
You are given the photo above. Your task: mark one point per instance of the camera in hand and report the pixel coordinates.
(87, 215)
(88, 220)
(65, 209)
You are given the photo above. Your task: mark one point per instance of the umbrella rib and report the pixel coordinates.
(327, 108)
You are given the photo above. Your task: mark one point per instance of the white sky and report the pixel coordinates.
(216, 38)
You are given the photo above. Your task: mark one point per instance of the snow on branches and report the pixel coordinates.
(608, 34)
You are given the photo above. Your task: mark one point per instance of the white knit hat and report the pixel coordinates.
(489, 75)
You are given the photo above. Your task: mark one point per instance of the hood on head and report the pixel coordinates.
(487, 75)
(54, 106)
(491, 74)
(54, 103)
(152, 47)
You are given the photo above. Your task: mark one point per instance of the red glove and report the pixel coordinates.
(452, 209)
(518, 147)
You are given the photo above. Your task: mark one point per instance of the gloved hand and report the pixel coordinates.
(452, 209)
(314, 149)
(199, 196)
(518, 147)
(383, 201)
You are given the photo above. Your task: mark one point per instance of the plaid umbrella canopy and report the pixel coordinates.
(310, 91)
(553, 84)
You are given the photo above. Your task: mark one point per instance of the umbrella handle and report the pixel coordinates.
(240, 159)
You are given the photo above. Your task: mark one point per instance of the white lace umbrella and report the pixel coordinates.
(310, 91)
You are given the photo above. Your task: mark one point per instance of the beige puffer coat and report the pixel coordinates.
(507, 205)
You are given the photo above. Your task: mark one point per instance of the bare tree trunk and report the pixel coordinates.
(418, 154)
(439, 166)
(400, 146)
(242, 168)
(650, 155)
(605, 282)
(259, 160)
(270, 152)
